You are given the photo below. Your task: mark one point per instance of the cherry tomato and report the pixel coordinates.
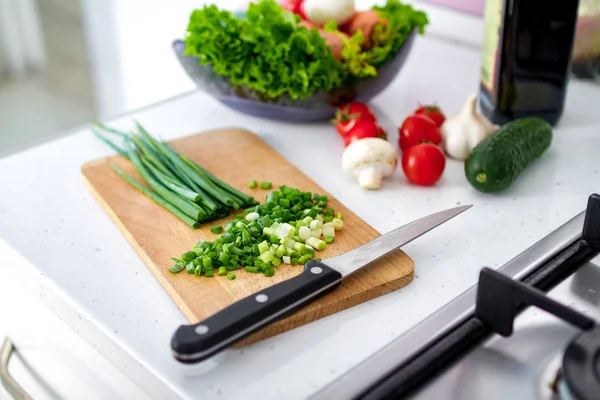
(348, 114)
(423, 164)
(418, 129)
(432, 112)
(295, 6)
(358, 108)
(364, 129)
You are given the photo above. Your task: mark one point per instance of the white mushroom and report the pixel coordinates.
(369, 160)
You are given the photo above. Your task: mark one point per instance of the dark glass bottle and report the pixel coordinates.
(526, 58)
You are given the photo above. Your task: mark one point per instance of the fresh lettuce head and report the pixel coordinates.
(266, 51)
(269, 53)
(388, 38)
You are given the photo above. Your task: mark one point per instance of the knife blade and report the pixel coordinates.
(195, 343)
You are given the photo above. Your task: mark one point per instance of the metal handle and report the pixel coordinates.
(8, 381)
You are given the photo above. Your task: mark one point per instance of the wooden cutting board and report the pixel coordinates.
(235, 156)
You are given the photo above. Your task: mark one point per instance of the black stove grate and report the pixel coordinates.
(451, 347)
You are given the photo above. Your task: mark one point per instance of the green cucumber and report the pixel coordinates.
(499, 159)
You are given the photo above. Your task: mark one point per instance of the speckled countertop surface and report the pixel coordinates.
(56, 241)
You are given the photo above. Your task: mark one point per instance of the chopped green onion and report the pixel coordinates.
(252, 216)
(339, 215)
(253, 184)
(224, 258)
(273, 239)
(300, 224)
(308, 251)
(303, 260)
(190, 268)
(287, 242)
(316, 224)
(263, 246)
(299, 247)
(231, 276)
(240, 224)
(246, 238)
(328, 231)
(280, 252)
(187, 256)
(216, 229)
(254, 270)
(237, 251)
(284, 203)
(304, 233)
(266, 185)
(264, 236)
(267, 256)
(338, 224)
(208, 273)
(316, 243)
(177, 268)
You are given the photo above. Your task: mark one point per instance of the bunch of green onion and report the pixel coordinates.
(175, 182)
(287, 229)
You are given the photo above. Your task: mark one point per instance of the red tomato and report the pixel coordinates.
(364, 129)
(423, 164)
(432, 112)
(295, 6)
(347, 115)
(359, 109)
(418, 129)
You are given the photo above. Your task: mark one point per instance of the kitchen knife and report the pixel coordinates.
(194, 343)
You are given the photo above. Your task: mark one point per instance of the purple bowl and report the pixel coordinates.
(319, 106)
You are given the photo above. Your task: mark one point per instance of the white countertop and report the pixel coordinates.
(56, 241)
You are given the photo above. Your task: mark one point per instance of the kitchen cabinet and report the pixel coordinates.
(50, 360)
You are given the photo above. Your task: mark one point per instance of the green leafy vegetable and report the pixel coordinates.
(398, 21)
(266, 51)
(176, 183)
(389, 37)
(269, 53)
(356, 61)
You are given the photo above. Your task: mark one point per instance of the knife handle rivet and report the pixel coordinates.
(201, 330)
(261, 298)
(316, 270)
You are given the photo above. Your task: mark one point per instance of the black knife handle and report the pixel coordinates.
(194, 343)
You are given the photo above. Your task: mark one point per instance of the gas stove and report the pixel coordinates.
(529, 330)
